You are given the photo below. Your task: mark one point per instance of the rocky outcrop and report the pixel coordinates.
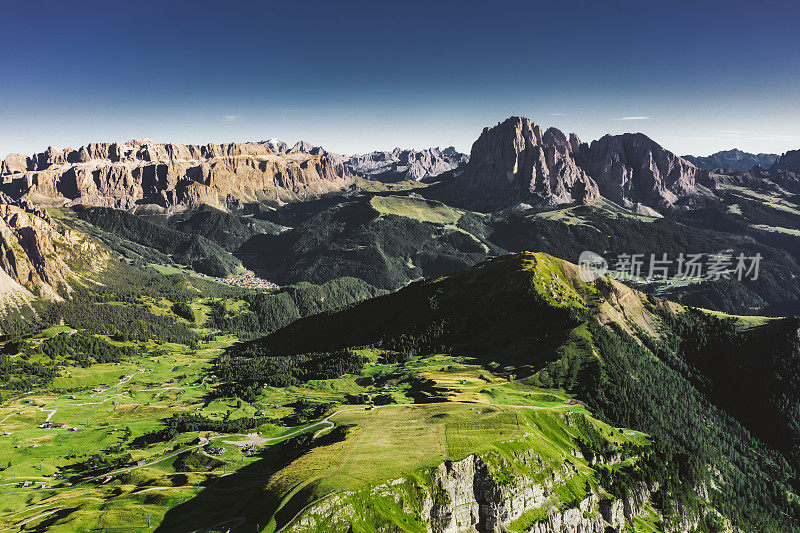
(734, 159)
(400, 165)
(140, 172)
(515, 163)
(788, 162)
(13, 164)
(632, 168)
(34, 255)
(469, 496)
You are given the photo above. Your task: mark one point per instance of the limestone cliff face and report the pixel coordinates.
(468, 496)
(515, 163)
(632, 168)
(142, 172)
(34, 255)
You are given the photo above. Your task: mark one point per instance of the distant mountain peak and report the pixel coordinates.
(404, 164)
(789, 161)
(514, 163)
(733, 159)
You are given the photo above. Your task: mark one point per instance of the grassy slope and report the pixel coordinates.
(472, 403)
(474, 409)
(427, 436)
(524, 311)
(164, 378)
(416, 208)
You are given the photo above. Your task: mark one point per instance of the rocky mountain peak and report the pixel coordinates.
(733, 159)
(632, 168)
(277, 146)
(34, 250)
(515, 163)
(403, 164)
(790, 161)
(556, 138)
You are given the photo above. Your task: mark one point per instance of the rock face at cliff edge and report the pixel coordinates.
(633, 169)
(466, 497)
(400, 165)
(34, 255)
(788, 162)
(515, 163)
(143, 172)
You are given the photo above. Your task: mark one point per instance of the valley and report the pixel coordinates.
(400, 341)
(419, 267)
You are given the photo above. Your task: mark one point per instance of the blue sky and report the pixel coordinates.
(356, 76)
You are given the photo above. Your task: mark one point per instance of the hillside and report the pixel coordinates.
(631, 358)
(602, 406)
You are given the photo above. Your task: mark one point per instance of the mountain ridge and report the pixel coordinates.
(406, 164)
(632, 168)
(733, 159)
(629, 356)
(169, 175)
(514, 163)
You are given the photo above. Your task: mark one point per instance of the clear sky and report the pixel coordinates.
(696, 76)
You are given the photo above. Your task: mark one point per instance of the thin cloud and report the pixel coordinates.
(556, 114)
(740, 135)
(635, 117)
(230, 118)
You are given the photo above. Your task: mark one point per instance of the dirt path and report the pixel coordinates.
(53, 411)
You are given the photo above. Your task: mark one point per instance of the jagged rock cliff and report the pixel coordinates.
(790, 161)
(515, 163)
(632, 168)
(399, 165)
(143, 172)
(478, 494)
(34, 255)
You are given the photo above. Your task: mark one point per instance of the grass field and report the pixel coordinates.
(473, 409)
(100, 410)
(439, 407)
(416, 208)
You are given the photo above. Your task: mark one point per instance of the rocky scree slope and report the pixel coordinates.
(140, 172)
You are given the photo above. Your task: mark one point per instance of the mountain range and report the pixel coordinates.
(733, 159)
(266, 337)
(399, 165)
(141, 172)
(510, 165)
